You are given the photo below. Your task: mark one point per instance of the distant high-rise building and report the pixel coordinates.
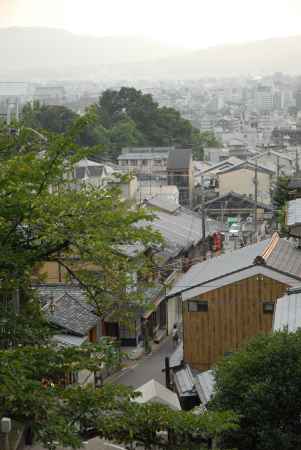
(264, 98)
(298, 98)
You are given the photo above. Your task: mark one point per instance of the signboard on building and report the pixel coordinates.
(231, 220)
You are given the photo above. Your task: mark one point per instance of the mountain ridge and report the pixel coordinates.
(49, 53)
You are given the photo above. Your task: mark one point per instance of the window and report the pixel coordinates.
(144, 162)
(198, 306)
(133, 162)
(268, 307)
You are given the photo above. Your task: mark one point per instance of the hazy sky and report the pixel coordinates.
(185, 23)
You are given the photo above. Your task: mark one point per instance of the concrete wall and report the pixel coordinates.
(242, 182)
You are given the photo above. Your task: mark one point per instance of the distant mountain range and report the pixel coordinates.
(42, 53)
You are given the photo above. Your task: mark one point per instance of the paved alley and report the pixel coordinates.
(147, 368)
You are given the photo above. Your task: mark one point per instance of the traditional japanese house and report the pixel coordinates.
(229, 299)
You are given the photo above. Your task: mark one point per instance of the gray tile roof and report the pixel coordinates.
(286, 257)
(248, 165)
(219, 266)
(277, 254)
(71, 312)
(179, 159)
(233, 196)
(224, 164)
(288, 311)
(180, 230)
(158, 201)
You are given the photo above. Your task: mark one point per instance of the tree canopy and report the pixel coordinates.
(32, 391)
(43, 218)
(262, 385)
(123, 118)
(55, 118)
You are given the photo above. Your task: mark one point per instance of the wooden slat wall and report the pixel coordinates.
(235, 314)
(52, 272)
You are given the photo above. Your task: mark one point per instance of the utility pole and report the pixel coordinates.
(203, 217)
(255, 198)
(278, 168)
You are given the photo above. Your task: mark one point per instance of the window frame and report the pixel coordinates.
(202, 306)
(266, 305)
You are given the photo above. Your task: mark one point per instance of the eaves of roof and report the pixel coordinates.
(248, 166)
(246, 272)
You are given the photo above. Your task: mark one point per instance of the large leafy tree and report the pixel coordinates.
(140, 121)
(55, 118)
(203, 139)
(122, 118)
(32, 391)
(262, 384)
(42, 218)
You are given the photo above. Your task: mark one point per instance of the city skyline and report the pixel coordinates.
(189, 24)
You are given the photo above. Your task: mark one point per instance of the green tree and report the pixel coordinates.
(33, 393)
(154, 125)
(42, 218)
(124, 134)
(200, 140)
(262, 385)
(54, 118)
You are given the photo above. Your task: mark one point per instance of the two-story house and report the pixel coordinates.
(229, 299)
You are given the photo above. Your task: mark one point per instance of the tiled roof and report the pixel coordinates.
(180, 230)
(248, 165)
(225, 164)
(286, 257)
(219, 266)
(236, 196)
(71, 311)
(277, 254)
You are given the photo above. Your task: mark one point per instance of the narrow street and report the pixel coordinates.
(147, 368)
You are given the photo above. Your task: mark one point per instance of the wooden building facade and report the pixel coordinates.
(222, 320)
(229, 299)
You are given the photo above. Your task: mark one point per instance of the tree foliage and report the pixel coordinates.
(32, 392)
(262, 385)
(43, 218)
(120, 119)
(55, 118)
(200, 140)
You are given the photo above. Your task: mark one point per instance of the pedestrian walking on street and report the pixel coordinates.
(175, 336)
